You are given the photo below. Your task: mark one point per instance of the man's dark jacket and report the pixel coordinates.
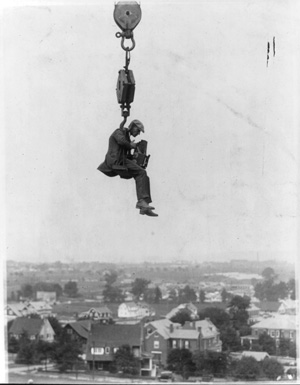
(118, 148)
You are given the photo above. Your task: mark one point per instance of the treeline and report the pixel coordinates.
(29, 291)
(211, 364)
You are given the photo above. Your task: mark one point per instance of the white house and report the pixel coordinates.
(134, 310)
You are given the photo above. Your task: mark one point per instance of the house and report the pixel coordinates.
(210, 335)
(15, 310)
(288, 306)
(36, 329)
(79, 331)
(281, 326)
(46, 296)
(268, 307)
(189, 307)
(135, 310)
(253, 312)
(162, 335)
(102, 314)
(105, 340)
(42, 308)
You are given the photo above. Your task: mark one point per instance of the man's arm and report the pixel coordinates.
(122, 141)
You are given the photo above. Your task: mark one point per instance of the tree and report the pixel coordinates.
(247, 369)
(125, 361)
(211, 362)
(112, 294)
(26, 351)
(172, 295)
(181, 317)
(181, 362)
(187, 294)
(65, 352)
(202, 296)
(218, 317)
(71, 289)
(237, 311)
(272, 368)
(158, 295)
(230, 339)
(27, 291)
(246, 344)
(284, 346)
(139, 287)
(269, 291)
(13, 345)
(292, 288)
(111, 277)
(268, 273)
(43, 350)
(224, 295)
(267, 343)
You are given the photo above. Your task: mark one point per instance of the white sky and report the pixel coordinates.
(222, 131)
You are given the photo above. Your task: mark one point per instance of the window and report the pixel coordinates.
(69, 331)
(107, 350)
(186, 344)
(174, 344)
(291, 335)
(97, 350)
(273, 333)
(156, 344)
(115, 350)
(277, 333)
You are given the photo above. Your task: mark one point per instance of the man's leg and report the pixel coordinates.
(142, 181)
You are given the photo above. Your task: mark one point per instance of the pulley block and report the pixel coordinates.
(125, 87)
(127, 15)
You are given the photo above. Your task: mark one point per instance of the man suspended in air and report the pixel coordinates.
(120, 161)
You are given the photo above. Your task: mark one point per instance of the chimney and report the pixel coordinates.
(171, 328)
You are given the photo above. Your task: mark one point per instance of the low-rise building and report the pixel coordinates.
(162, 335)
(281, 326)
(105, 340)
(188, 307)
(35, 328)
(102, 314)
(135, 310)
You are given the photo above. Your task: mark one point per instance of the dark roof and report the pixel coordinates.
(80, 327)
(268, 305)
(112, 336)
(32, 326)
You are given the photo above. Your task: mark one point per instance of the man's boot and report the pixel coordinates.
(148, 212)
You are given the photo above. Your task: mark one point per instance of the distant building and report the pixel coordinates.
(46, 296)
(23, 309)
(281, 326)
(36, 329)
(102, 314)
(288, 306)
(135, 310)
(189, 307)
